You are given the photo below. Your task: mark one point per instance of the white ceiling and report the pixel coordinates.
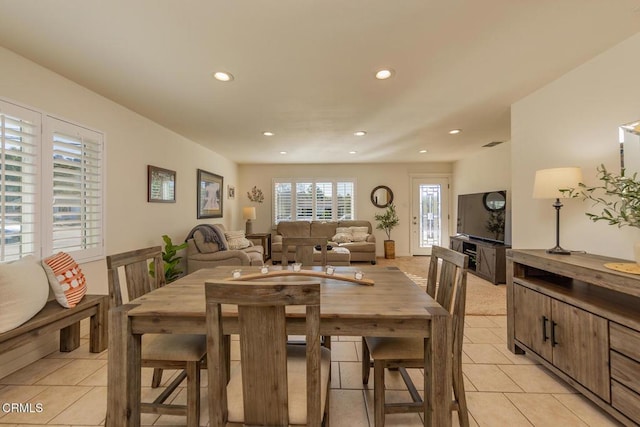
(304, 68)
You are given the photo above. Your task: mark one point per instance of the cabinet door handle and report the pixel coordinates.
(545, 337)
(553, 334)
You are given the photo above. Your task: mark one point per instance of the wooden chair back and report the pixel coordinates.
(304, 249)
(263, 353)
(136, 273)
(447, 284)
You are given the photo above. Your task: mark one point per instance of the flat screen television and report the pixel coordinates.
(482, 215)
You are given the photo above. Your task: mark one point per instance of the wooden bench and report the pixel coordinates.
(54, 317)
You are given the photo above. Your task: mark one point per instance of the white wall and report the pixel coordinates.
(368, 176)
(487, 170)
(132, 143)
(574, 122)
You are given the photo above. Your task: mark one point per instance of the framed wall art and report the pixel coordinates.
(161, 185)
(231, 191)
(210, 194)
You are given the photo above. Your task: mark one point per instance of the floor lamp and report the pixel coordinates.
(552, 184)
(249, 213)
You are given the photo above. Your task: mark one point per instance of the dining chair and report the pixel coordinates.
(276, 384)
(304, 247)
(447, 284)
(159, 351)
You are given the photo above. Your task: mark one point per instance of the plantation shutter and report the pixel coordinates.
(324, 201)
(304, 201)
(19, 181)
(344, 200)
(76, 217)
(283, 201)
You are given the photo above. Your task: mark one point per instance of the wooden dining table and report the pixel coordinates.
(394, 306)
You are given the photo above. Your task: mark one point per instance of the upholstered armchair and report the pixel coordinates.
(208, 247)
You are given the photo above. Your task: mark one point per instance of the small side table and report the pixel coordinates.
(265, 241)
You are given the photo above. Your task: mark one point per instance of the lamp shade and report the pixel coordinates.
(249, 212)
(549, 182)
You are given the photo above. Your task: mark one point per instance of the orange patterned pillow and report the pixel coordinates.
(65, 278)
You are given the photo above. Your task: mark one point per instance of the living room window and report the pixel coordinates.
(313, 199)
(51, 186)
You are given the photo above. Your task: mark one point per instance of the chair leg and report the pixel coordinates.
(326, 341)
(327, 405)
(157, 378)
(193, 394)
(378, 393)
(366, 362)
(458, 392)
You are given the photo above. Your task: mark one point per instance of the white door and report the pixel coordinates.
(429, 214)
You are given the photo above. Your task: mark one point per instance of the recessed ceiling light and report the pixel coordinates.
(352, 152)
(267, 133)
(360, 133)
(384, 74)
(422, 151)
(455, 131)
(223, 76)
(283, 152)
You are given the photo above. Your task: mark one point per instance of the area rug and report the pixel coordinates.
(483, 298)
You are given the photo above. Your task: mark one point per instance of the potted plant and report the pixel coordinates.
(172, 270)
(619, 196)
(387, 221)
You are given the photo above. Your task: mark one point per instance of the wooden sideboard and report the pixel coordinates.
(581, 320)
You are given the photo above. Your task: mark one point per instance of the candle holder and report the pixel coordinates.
(358, 275)
(296, 266)
(264, 269)
(329, 269)
(236, 273)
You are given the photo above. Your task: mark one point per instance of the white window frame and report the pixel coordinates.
(43, 228)
(313, 182)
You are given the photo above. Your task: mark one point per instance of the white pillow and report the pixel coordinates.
(236, 240)
(359, 234)
(343, 235)
(24, 290)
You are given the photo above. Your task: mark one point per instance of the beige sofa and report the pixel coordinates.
(206, 254)
(361, 251)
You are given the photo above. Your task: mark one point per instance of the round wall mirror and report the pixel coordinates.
(494, 201)
(381, 196)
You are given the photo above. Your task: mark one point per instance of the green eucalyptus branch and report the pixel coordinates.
(619, 196)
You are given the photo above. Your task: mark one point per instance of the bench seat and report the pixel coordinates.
(54, 317)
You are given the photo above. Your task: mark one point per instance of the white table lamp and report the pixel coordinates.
(548, 184)
(249, 213)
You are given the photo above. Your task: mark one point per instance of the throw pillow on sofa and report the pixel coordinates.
(359, 234)
(236, 240)
(343, 235)
(65, 278)
(23, 291)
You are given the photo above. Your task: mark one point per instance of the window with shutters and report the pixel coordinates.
(283, 199)
(20, 130)
(51, 186)
(74, 218)
(313, 199)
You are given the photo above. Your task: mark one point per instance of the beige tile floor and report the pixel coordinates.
(502, 389)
